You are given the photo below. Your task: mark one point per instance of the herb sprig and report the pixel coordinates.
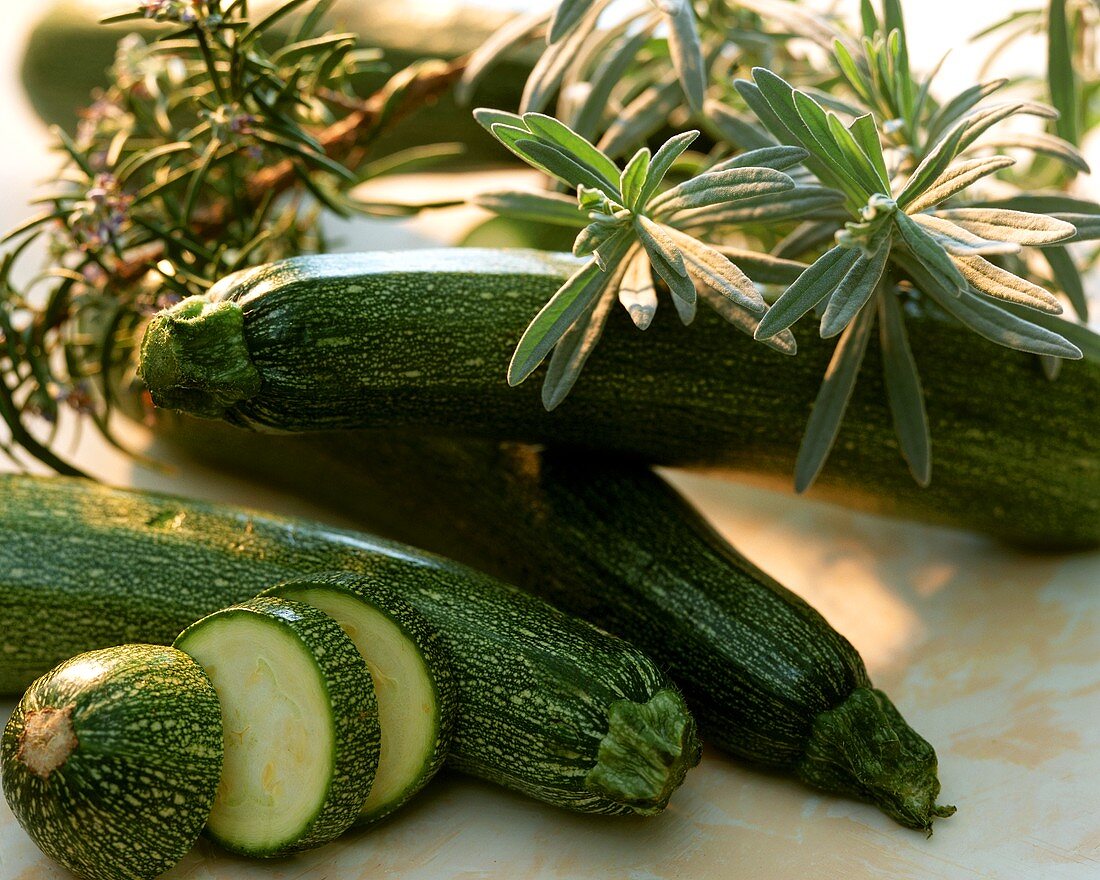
(634, 232)
(211, 150)
(888, 175)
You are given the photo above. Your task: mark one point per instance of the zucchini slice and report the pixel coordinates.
(549, 705)
(111, 761)
(300, 725)
(412, 680)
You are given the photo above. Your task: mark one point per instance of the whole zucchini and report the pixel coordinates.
(111, 761)
(548, 705)
(769, 680)
(422, 340)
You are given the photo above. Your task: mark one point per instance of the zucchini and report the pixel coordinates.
(767, 677)
(422, 340)
(548, 705)
(412, 679)
(112, 759)
(299, 720)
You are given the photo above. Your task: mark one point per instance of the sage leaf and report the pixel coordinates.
(1018, 227)
(930, 253)
(779, 157)
(957, 177)
(1061, 76)
(511, 34)
(994, 281)
(566, 16)
(1044, 144)
(637, 293)
(799, 203)
(995, 323)
(572, 352)
(667, 261)
(720, 188)
(712, 268)
(581, 151)
(855, 289)
(632, 179)
(642, 117)
(865, 133)
(832, 401)
(662, 162)
(547, 74)
(903, 390)
(734, 128)
(561, 165)
(958, 241)
(812, 286)
(559, 314)
(546, 207)
(1068, 279)
(961, 104)
(686, 50)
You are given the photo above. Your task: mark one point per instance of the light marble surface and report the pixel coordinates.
(992, 655)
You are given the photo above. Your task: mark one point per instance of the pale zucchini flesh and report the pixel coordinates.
(412, 680)
(300, 725)
(609, 733)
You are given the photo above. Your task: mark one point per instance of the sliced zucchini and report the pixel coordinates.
(111, 761)
(412, 679)
(300, 725)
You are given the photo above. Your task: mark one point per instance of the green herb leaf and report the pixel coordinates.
(558, 315)
(1068, 279)
(812, 286)
(832, 401)
(930, 253)
(903, 390)
(574, 349)
(855, 289)
(955, 179)
(994, 281)
(1018, 227)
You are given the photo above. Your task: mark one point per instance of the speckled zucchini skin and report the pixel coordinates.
(422, 339)
(354, 714)
(431, 647)
(611, 542)
(548, 704)
(136, 790)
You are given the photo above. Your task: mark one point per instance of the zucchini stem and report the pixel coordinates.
(864, 748)
(648, 749)
(47, 740)
(194, 358)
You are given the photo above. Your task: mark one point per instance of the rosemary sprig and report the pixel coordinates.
(210, 151)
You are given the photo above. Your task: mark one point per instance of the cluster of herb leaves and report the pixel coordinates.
(862, 173)
(209, 151)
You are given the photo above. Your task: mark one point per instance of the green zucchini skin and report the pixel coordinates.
(549, 705)
(348, 691)
(767, 677)
(421, 340)
(430, 647)
(111, 761)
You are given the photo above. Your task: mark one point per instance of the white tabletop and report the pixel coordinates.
(992, 655)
